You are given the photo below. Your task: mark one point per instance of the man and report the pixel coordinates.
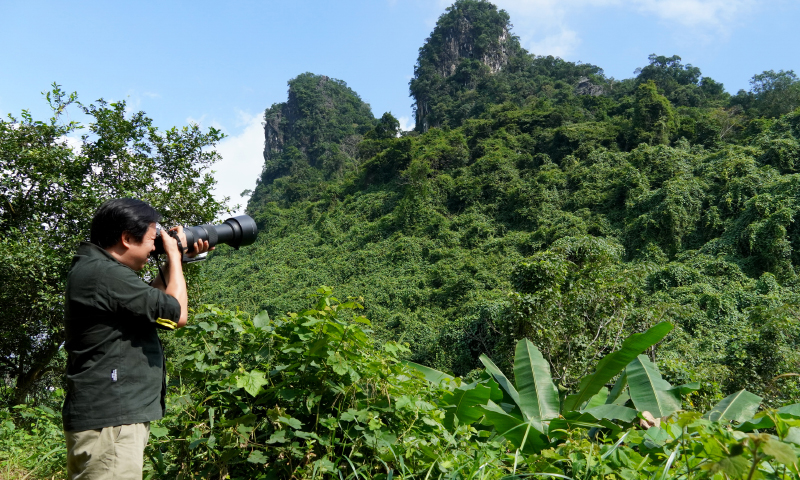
(115, 366)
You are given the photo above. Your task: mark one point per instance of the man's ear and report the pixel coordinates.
(127, 240)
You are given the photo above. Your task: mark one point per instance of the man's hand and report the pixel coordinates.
(171, 244)
(200, 246)
(174, 282)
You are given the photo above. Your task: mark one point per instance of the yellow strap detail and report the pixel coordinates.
(167, 323)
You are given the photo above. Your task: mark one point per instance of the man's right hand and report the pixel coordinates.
(174, 254)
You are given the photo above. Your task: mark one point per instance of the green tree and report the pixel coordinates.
(653, 116)
(775, 93)
(49, 193)
(387, 128)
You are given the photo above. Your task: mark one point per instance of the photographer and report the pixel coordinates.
(115, 367)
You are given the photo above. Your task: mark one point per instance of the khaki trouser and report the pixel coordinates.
(107, 453)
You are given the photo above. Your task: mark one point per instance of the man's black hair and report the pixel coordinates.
(121, 215)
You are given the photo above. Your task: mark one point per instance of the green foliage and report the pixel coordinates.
(309, 394)
(468, 238)
(772, 94)
(653, 118)
(32, 442)
(537, 203)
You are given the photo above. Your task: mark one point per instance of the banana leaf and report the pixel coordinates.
(538, 396)
(430, 374)
(762, 420)
(514, 429)
(736, 407)
(650, 392)
(510, 394)
(462, 402)
(613, 363)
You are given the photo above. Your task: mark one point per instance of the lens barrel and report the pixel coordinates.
(237, 232)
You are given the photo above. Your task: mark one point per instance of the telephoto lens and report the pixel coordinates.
(237, 232)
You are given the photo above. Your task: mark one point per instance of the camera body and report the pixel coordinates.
(236, 231)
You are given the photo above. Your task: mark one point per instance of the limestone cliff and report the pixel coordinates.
(471, 40)
(320, 117)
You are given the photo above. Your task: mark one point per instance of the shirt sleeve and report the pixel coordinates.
(139, 300)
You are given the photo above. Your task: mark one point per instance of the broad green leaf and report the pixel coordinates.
(462, 403)
(257, 456)
(657, 436)
(251, 381)
(737, 407)
(261, 321)
(617, 391)
(278, 437)
(514, 429)
(761, 420)
(158, 431)
(538, 397)
(496, 392)
(782, 452)
(292, 422)
(430, 374)
(733, 467)
(687, 388)
(560, 427)
(613, 363)
(650, 392)
(500, 378)
(790, 410)
(208, 326)
(793, 436)
(613, 412)
(598, 399)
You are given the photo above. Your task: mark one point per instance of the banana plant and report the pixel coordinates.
(530, 414)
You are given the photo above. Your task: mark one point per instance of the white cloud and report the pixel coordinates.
(74, 142)
(544, 25)
(242, 160)
(406, 123)
(717, 14)
(559, 44)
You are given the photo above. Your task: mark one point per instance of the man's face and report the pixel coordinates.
(139, 251)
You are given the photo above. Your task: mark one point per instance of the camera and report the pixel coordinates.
(237, 232)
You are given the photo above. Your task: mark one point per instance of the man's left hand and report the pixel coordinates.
(200, 246)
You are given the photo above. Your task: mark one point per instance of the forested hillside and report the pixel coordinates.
(538, 198)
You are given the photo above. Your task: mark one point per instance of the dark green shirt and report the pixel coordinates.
(115, 364)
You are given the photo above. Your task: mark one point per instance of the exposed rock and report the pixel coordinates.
(459, 43)
(320, 119)
(585, 87)
(471, 31)
(273, 135)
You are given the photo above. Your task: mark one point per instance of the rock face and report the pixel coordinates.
(471, 40)
(320, 117)
(459, 43)
(273, 135)
(585, 87)
(280, 120)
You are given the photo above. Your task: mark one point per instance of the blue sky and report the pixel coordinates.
(222, 63)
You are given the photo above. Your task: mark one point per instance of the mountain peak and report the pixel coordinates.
(471, 39)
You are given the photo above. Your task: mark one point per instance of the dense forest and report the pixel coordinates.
(537, 198)
(625, 250)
